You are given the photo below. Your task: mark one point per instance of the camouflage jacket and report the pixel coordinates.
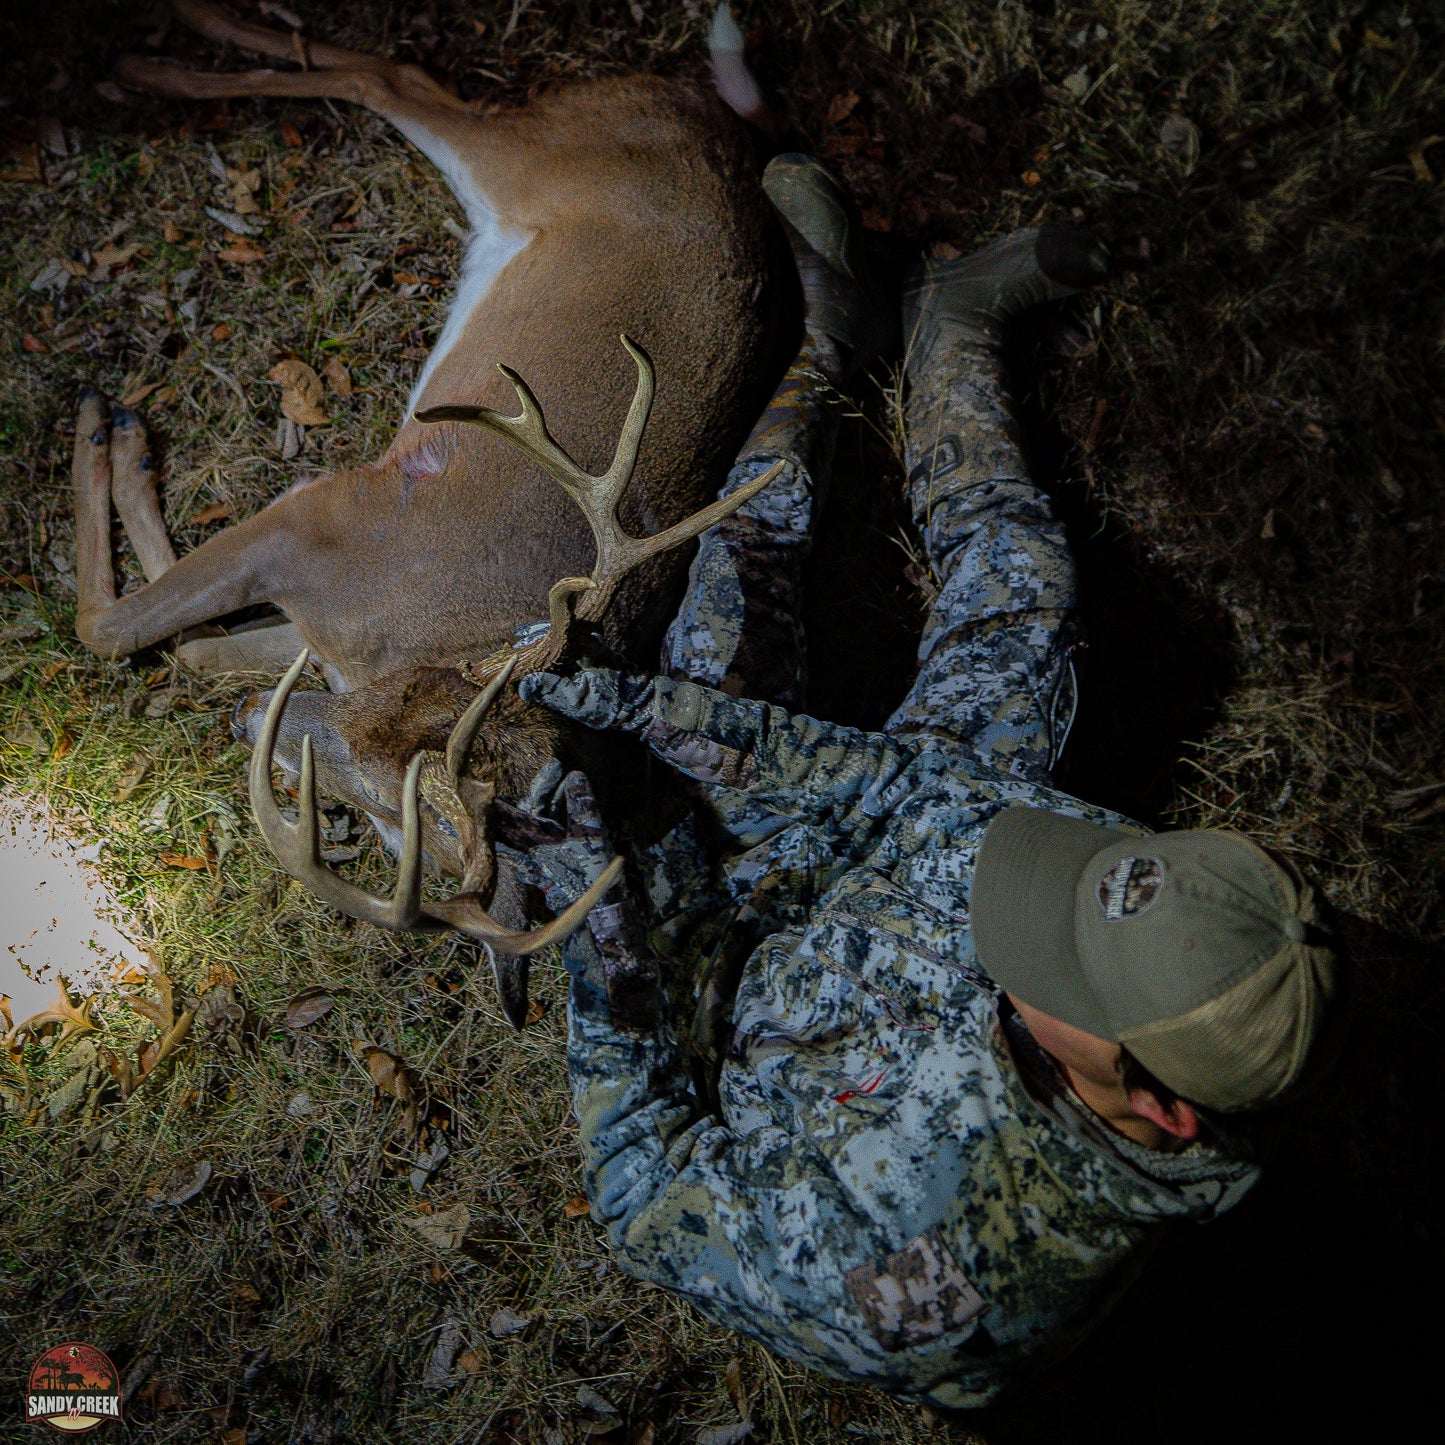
(892, 1183)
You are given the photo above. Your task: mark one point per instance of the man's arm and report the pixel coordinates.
(728, 1220)
(765, 768)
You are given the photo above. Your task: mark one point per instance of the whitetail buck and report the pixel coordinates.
(606, 207)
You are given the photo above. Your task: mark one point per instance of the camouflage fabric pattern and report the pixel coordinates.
(876, 1192)
(739, 628)
(994, 670)
(838, 1142)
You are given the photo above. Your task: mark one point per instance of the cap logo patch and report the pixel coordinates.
(1129, 887)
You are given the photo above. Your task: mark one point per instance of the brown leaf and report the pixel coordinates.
(221, 331)
(308, 1006)
(20, 159)
(445, 1229)
(219, 1010)
(576, 1207)
(535, 1011)
(1031, 178)
(842, 106)
(388, 1072)
(182, 1183)
(214, 513)
(172, 232)
(113, 255)
(138, 394)
(183, 860)
(291, 136)
(242, 253)
(63, 744)
(245, 1293)
(337, 375)
(301, 392)
(30, 342)
(133, 776)
(470, 1362)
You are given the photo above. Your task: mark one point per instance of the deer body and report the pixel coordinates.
(621, 205)
(629, 205)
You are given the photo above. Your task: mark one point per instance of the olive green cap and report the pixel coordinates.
(1197, 950)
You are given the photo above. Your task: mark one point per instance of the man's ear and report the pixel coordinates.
(1178, 1117)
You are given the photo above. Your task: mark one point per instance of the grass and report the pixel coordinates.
(1242, 434)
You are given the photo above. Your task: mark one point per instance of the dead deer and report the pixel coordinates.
(626, 207)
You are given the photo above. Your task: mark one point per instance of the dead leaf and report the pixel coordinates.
(536, 1010)
(842, 106)
(875, 219)
(301, 392)
(1266, 531)
(113, 255)
(110, 91)
(244, 185)
(1031, 178)
(1179, 137)
(30, 342)
(244, 1294)
(172, 232)
(220, 1010)
(736, 1393)
(337, 375)
(388, 1073)
(20, 159)
(184, 860)
(242, 253)
(63, 744)
(725, 1434)
(139, 393)
(438, 1372)
(508, 1322)
(181, 1184)
(308, 1006)
(291, 136)
(644, 1432)
(132, 778)
(576, 1207)
(446, 1229)
(214, 513)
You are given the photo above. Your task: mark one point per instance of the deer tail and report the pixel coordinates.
(735, 83)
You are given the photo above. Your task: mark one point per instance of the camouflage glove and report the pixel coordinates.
(608, 955)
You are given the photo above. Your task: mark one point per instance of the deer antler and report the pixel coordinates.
(296, 845)
(585, 599)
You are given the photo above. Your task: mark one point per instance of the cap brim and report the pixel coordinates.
(1022, 911)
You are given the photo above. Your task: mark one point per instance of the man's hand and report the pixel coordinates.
(611, 953)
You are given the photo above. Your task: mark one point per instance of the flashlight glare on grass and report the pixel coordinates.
(61, 926)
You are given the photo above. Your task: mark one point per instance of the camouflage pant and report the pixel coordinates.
(994, 671)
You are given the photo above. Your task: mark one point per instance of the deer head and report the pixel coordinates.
(458, 796)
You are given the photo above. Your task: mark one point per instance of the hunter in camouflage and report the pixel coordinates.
(836, 1135)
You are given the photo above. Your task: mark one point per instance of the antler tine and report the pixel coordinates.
(463, 734)
(599, 496)
(296, 847)
(466, 915)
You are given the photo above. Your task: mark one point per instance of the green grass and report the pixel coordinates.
(1241, 430)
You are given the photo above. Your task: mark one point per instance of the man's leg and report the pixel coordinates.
(740, 626)
(994, 673)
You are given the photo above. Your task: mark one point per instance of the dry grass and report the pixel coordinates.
(1239, 432)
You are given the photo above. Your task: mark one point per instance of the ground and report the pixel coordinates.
(1242, 431)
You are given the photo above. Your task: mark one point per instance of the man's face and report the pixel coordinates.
(1083, 1055)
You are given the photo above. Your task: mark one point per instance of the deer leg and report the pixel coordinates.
(217, 24)
(90, 476)
(270, 649)
(133, 489)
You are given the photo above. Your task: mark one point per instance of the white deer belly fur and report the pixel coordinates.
(490, 247)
